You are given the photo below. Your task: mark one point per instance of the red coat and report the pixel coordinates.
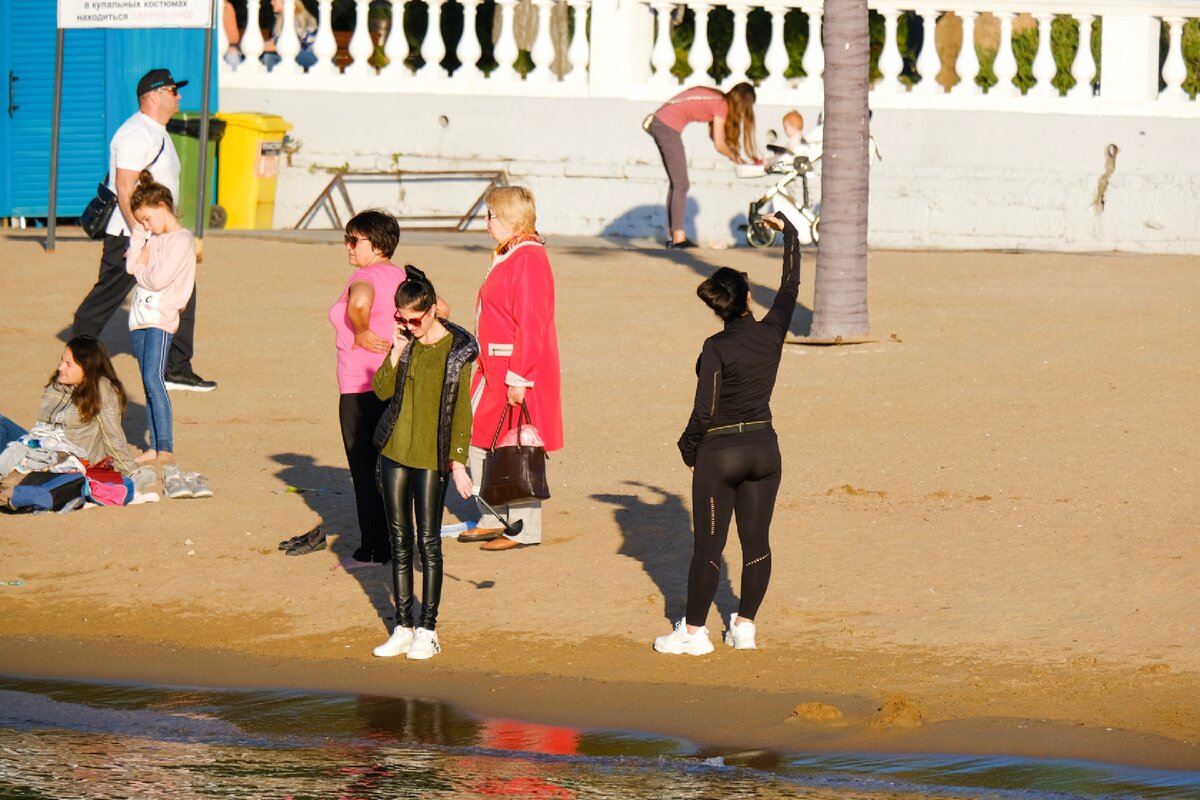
(514, 323)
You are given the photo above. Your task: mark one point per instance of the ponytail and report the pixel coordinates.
(150, 193)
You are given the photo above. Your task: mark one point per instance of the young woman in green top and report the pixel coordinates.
(423, 438)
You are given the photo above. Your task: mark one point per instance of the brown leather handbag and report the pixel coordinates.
(513, 473)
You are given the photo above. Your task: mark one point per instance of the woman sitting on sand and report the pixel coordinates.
(732, 449)
(84, 399)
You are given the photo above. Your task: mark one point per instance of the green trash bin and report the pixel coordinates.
(184, 129)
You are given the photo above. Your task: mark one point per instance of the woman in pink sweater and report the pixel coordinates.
(162, 258)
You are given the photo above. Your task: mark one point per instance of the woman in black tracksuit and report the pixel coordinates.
(732, 448)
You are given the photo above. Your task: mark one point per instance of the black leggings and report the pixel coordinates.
(742, 480)
(424, 490)
(358, 414)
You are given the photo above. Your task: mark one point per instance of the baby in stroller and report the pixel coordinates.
(793, 160)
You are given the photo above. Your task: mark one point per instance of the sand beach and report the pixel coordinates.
(987, 538)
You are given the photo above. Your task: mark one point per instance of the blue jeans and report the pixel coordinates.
(150, 348)
(9, 431)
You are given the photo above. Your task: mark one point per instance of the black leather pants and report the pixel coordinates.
(406, 490)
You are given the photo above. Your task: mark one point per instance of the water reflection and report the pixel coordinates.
(83, 740)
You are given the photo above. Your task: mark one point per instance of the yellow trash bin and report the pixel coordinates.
(248, 168)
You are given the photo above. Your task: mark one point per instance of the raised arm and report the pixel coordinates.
(780, 315)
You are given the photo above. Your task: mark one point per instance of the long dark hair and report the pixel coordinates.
(92, 357)
(416, 292)
(726, 293)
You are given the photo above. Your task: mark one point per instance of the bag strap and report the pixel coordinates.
(523, 418)
(153, 161)
(500, 424)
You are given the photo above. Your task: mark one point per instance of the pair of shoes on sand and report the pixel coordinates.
(418, 645)
(739, 635)
(179, 485)
(305, 543)
(493, 540)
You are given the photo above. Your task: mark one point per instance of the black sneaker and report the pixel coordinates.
(686, 244)
(188, 382)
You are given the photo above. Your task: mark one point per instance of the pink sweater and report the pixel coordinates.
(165, 282)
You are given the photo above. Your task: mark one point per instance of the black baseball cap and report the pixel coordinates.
(157, 79)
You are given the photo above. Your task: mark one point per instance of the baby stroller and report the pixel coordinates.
(789, 167)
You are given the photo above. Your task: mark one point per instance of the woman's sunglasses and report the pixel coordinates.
(354, 240)
(411, 323)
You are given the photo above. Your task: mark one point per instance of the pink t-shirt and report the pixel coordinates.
(356, 366)
(698, 104)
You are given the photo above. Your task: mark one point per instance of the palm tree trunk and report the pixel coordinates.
(840, 300)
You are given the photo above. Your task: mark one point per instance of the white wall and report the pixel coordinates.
(948, 179)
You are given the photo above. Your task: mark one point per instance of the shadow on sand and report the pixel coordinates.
(329, 494)
(706, 264)
(658, 533)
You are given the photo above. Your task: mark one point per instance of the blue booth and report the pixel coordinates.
(100, 73)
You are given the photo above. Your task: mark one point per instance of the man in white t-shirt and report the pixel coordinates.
(141, 143)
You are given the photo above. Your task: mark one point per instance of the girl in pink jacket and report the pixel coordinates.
(162, 257)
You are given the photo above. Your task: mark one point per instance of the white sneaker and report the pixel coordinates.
(399, 643)
(424, 645)
(679, 641)
(174, 485)
(196, 482)
(740, 636)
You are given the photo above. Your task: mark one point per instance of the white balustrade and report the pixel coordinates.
(325, 46)
(814, 51)
(638, 64)
(395, 48)
(663, 56)
(1005, 66)
(1044, 68)
(433, 46)
(288, 43)
(1083, 68)
(776, 60)
(890, 61)
(506, 51)
(738, 57)
(577, 53)
(967, 63)
(361, 46)
(1174, 71)
(252, 41)
(928, 63)
(700, 58)
(542, 52)
(469, 49)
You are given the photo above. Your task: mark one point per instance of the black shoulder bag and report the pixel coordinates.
(94, 219)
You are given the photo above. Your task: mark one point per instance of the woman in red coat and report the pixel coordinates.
(518, 353)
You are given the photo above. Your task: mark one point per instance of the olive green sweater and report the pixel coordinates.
(414, 440)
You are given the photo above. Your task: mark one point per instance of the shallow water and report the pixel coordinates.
(87, 740)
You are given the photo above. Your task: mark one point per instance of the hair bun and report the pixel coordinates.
(145, 178)
(414, 274)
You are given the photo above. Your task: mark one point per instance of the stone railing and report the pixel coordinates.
(625, 49)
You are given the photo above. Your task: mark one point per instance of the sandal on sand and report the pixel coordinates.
(311, 542)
